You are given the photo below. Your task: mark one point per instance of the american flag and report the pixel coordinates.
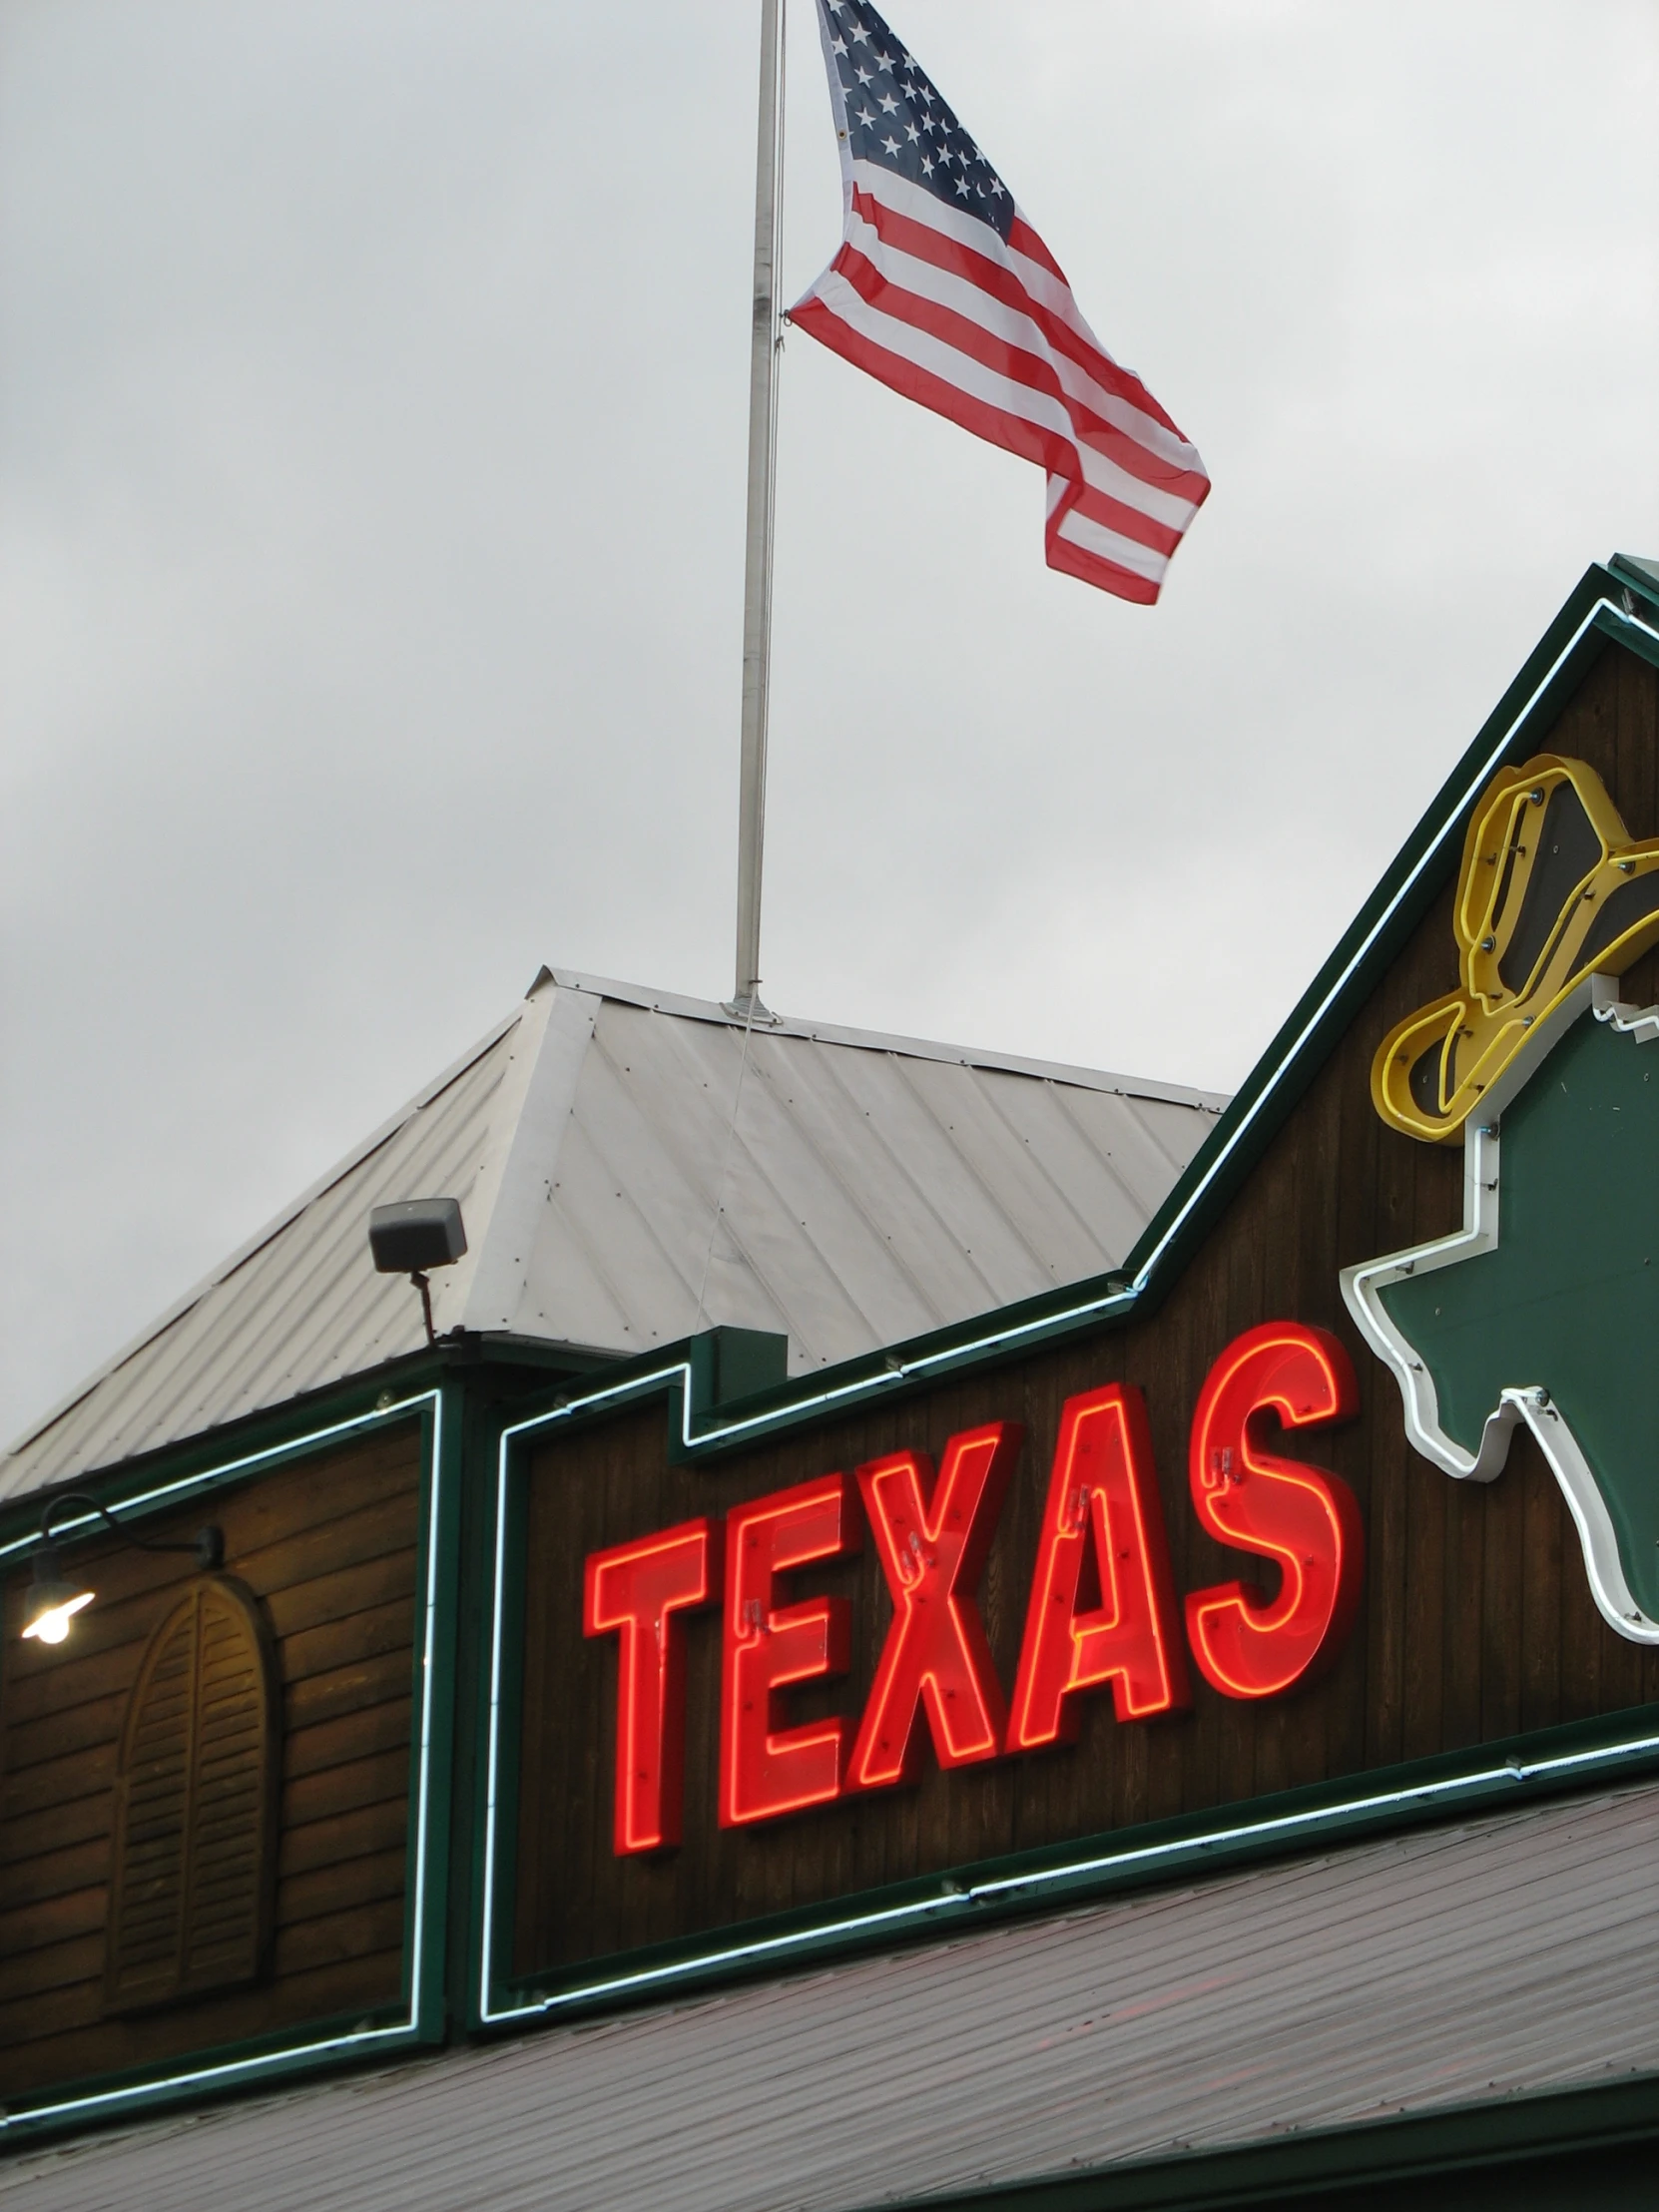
(944, 291)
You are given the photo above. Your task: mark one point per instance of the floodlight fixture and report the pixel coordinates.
(412, 1235)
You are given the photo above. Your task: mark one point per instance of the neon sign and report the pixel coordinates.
(1540, 1310)
(635, 1591)
(765, 1768)
(936, 1657)
(1302, 1519)
(1102, 1513)
(1101, 1614)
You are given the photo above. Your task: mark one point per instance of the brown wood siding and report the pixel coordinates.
(1476, 1620)
(328, 1548)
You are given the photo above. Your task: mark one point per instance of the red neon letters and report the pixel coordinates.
(1300, 1517)
(634, 1591)
(1103, 1524)
(935, 1655)
(765, 1768)
(1101, 1611)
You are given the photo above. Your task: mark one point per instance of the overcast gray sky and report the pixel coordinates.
(372, 386)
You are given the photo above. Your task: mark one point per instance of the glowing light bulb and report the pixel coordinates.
(51, 1626)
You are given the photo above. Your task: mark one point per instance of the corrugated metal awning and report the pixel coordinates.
(1411, 1975)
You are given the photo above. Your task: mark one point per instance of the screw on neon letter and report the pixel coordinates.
(766, 1769)
(1102, 1606)
(936, 1656)
(1302, 1518)
(634, 1591)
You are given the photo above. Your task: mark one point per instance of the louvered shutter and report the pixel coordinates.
(195, 1805)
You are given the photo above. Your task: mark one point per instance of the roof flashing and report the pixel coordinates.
(1630, 568)
(877, 1040)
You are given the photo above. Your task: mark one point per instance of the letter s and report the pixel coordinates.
(1299, 1516)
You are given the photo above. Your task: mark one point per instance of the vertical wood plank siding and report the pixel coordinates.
(328, 1547)
(1476, 1623)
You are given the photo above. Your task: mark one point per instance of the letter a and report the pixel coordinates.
(1103, 1508)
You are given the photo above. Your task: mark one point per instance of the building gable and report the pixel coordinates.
(1094, 1443)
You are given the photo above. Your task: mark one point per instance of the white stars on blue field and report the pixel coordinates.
(934, 151)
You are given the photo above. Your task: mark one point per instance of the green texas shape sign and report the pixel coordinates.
(1544, 1306)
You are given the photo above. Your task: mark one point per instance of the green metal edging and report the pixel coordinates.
(497, 1720)
(336, 2040)
(153, 1481)
(1408, 2147)
(701, 1424)
(1425, 863)
(1603, 609)
(1605, 605)
(1058, 1877)
(425, 1932)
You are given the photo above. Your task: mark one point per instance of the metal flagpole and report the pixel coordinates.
(763, 445)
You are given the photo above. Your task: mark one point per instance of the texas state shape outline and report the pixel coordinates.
(1582, 1422)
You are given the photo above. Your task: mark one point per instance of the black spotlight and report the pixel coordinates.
(413, 1235)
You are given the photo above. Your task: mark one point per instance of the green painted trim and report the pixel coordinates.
(237, 1452)
(708, 1419)
(1630, 571)
(1591, 617)
(425, 1943)
(1413, 2146)
(325, 2044)
(1422, 869)
(1489, 1779)
(497, 1715)
(229, 2069)
(701, 1425)
(288, 1430)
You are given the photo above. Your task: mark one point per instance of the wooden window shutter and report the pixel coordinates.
(195, 1806)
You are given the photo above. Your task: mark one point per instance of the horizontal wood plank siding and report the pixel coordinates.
(328, 1546)
(1476, 1623)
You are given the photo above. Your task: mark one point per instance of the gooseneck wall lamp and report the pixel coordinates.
(55, 1597)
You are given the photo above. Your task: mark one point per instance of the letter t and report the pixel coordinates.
(634, 1591)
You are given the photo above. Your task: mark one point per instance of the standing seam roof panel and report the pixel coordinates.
(1098, 1152)
(835, 1203)
(823, 1269)
(798, 1283)
(208, 1363)
(819, 1089)
(878, 1188)
(1030, 1200)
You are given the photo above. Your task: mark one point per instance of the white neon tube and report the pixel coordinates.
(289, 2055)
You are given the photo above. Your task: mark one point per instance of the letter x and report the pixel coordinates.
(932, 1549)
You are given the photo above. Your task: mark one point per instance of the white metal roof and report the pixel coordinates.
(1425, 1972)
(865, 1189)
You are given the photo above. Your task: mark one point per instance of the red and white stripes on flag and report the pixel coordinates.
(944, 291)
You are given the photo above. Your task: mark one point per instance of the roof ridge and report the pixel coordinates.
(684, 1009)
